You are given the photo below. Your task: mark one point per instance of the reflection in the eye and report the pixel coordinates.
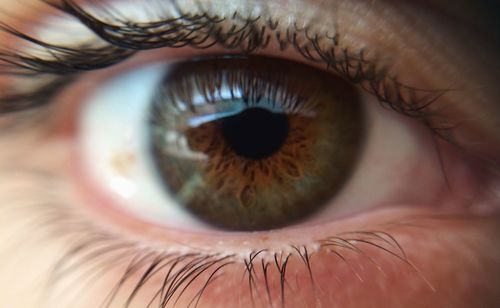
(388, 257)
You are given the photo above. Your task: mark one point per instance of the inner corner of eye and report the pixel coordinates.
(231, 143)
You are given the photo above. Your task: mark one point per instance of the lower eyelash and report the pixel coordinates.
(92, 252)
(178, 272)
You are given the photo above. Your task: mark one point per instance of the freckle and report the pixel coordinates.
(123, 162)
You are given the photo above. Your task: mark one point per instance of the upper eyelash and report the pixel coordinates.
(58, 72)
(125, 38)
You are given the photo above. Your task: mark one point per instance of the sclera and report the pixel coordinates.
(114, 144)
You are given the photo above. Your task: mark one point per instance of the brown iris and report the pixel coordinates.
(254, 143)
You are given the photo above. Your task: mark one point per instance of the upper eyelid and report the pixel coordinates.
(415, 102)
(124, 37)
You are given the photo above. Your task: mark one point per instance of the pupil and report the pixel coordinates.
(255, 133)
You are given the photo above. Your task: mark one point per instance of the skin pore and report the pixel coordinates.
(435, 247)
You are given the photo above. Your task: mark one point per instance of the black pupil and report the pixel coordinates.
(255, 133)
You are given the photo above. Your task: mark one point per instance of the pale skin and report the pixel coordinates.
(448, 232)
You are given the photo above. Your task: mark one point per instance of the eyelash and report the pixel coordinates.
(247, 34)
(254, 35)
(100, 252)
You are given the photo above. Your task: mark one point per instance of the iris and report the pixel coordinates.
(254, 143)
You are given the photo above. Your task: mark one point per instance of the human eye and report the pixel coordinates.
(125, 180)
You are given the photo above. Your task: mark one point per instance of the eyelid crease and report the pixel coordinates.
(202, 31)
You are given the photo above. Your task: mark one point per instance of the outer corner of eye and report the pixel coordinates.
(226, 143)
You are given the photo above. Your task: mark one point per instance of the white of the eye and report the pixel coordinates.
(116, 156)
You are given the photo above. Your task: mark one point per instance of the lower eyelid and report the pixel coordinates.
(353, 262)
(352, 272)
(239, 245)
